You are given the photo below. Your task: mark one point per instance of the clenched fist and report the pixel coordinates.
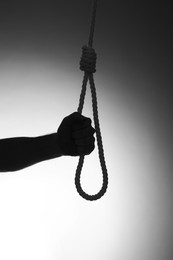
(75, 135)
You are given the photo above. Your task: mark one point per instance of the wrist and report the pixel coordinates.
(48, 146)
(54, 145)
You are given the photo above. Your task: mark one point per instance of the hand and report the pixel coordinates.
(76, 135)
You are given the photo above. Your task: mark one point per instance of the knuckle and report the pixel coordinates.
(91, 148)
(81, 151)
(86, 150)
(93, 140)
(93, 130)
(88, 121)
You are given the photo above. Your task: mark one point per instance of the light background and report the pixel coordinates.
(41, 213)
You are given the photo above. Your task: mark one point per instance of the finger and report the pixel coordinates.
(85, 150)
(85, 142)
(81, 123)
(85, 132)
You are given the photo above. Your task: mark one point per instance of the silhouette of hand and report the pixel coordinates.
(76, 135)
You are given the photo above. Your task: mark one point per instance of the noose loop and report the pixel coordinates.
(88, 65)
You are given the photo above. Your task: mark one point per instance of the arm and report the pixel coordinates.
(74, 137)
(18, 153)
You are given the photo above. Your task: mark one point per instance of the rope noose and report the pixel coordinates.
(88, 65)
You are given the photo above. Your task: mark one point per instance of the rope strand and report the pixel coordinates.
(83, 93)
(93, 22)
(88, 64)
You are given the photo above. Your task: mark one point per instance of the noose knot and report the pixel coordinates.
(88, 59)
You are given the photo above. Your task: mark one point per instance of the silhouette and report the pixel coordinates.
(74, 137)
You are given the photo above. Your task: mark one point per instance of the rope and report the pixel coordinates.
(88, 65)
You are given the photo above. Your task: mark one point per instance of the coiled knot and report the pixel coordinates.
(88, 59)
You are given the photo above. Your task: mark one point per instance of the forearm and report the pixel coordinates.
(21, 152)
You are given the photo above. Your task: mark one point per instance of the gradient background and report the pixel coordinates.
(41, 214)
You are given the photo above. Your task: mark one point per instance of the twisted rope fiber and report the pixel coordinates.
(88, 65)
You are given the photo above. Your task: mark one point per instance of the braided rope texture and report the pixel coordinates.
(88, 65)
(99, 143)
